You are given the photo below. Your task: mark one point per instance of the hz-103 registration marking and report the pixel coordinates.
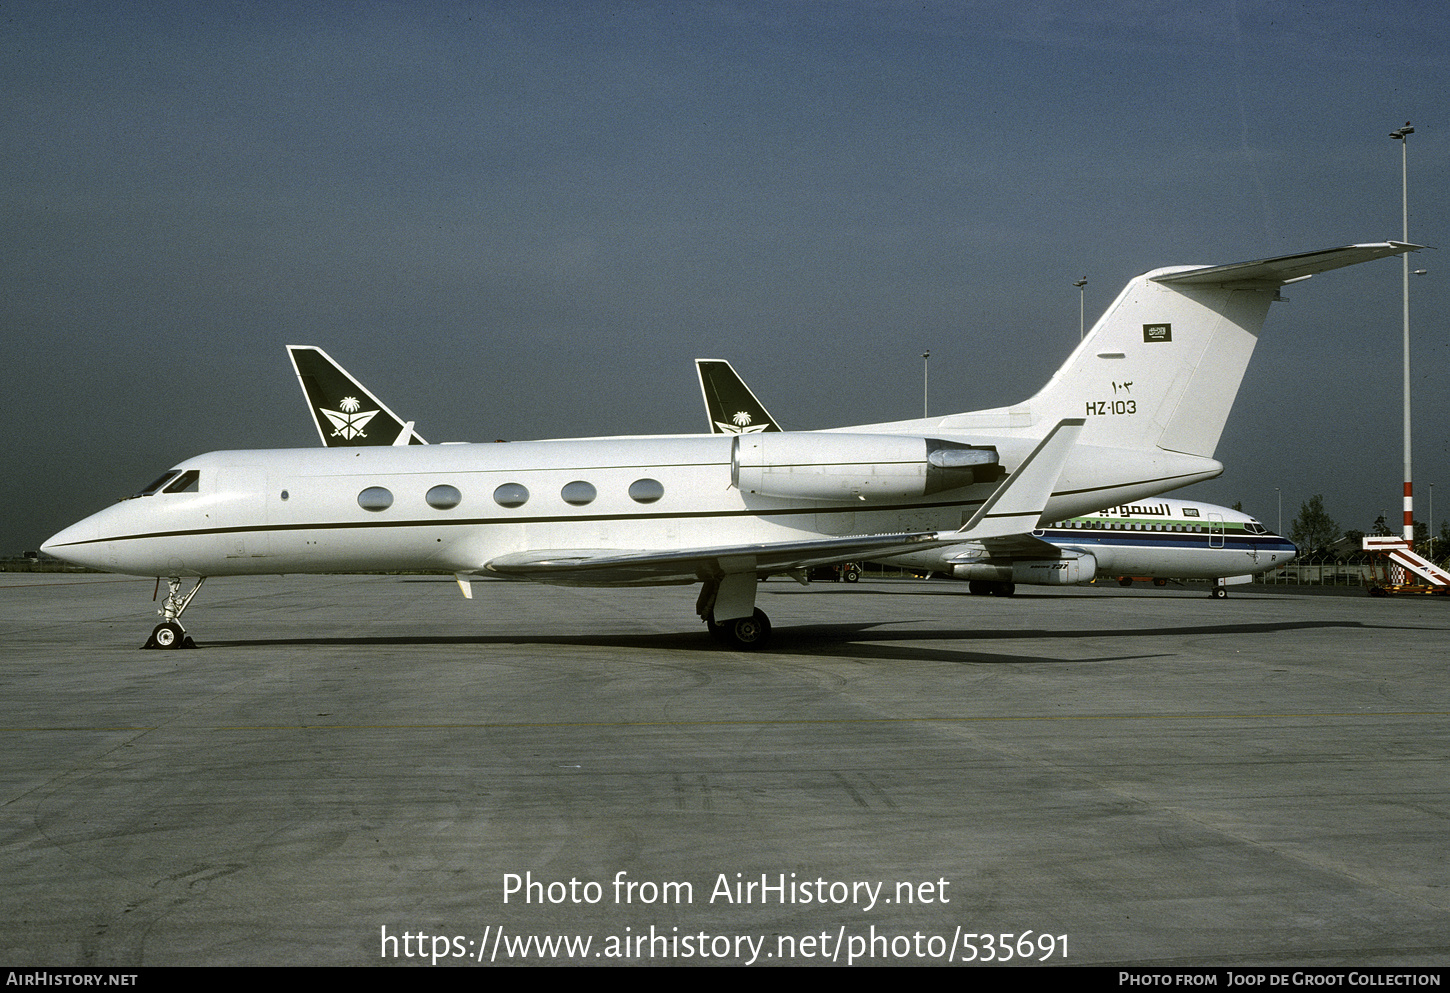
(1109, 407)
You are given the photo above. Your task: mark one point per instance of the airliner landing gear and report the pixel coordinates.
(169, 633)
(1218, 592)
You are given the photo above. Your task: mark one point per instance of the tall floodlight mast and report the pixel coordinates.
(1402, 135)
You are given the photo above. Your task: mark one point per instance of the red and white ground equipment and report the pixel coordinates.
(1400, 560)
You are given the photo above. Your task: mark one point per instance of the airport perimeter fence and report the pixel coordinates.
(1329, 570)
(1321, 574)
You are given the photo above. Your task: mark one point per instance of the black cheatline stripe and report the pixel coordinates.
(586, 518)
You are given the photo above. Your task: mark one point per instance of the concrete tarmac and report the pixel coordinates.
(1129, 777)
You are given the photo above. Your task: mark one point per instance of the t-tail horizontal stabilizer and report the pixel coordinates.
(1286, 268)
(1018, 504)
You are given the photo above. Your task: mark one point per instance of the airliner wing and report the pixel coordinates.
(1020, 546)
(609, 567)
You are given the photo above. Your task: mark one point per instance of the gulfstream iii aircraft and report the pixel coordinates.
(1161, 540)
(1136, 410)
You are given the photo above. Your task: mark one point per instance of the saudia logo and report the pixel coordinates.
(1157, 332)
(347, 422)
(740, 424)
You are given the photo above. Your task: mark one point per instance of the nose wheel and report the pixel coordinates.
(169, 633)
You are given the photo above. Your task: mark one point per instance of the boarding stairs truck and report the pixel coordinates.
(1400, 559)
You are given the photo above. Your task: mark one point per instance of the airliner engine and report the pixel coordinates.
(831, 466)
(1065, 571)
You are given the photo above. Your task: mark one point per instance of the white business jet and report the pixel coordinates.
(1136, 410)
(1158, 541)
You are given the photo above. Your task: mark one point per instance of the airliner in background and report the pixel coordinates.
(1159, 540)
(1135, 411)
(1162, 540)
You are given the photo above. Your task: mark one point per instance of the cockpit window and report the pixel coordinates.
(187, 482)
(161, 481)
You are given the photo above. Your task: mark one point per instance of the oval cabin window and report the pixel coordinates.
(511, 495)
(578, 493)
(444, 497)
(375, 498)
(646, 490)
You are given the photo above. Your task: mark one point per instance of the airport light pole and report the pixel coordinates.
(1080, 284)
(1402, 135)
(925, 379)
(1280, 498)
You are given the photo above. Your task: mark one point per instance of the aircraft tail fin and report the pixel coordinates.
(730, 405)
(1161, 367)
(346, 413)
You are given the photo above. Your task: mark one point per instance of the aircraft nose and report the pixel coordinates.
(72, 543)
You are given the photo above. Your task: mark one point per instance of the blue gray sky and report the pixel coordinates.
(523, 220)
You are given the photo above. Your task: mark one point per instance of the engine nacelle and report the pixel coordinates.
(1032, 572)
(870, 467)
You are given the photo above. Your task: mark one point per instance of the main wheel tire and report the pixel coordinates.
(1125, 581)
(979, 587)
(852, 575)
(1160, 582)
(747, 633)
(1004, 589)
(1219, 592)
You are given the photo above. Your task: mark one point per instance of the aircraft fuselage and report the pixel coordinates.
(453, 508)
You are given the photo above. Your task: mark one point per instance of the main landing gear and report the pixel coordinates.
(169, 633)
(744, 633)
(727, 606)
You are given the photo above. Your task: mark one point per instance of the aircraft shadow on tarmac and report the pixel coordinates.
(857, 640)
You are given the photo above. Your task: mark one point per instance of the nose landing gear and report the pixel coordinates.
(169, 633)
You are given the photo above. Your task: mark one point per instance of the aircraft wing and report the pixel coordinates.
(610, 567)
(1021, 546)
(1015, 506)
(1287, 268)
